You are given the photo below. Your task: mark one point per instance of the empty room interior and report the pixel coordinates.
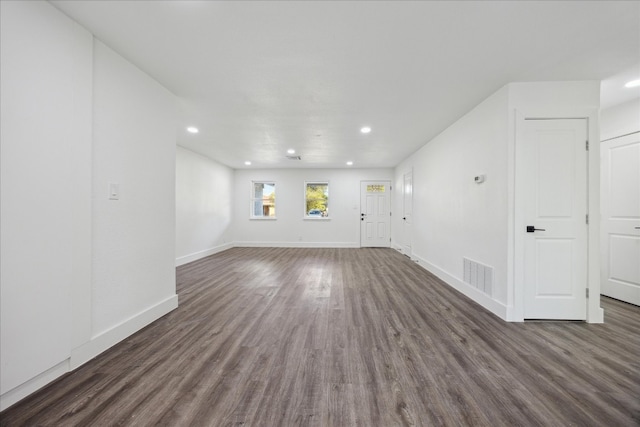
(323, 213)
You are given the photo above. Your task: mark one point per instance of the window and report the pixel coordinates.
(316, 195)
(375, 188)
(263, 200)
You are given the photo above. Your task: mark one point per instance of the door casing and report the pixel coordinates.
(620, 239)
(375, 219)
(515, 253)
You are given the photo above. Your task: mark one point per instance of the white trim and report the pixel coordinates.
(390, 200)
(252, 198)
(595, 314)
(86, 352)
(620, 136)
(306, 216)
(109, 338)
(202, 254)
(622, 291)
(246, 244)
(496, 307)
(34, 384)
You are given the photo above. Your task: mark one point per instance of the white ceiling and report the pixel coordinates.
(260, 77)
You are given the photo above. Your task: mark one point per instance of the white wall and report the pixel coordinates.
(204, 202)
(79, 272)
(453, 217)
(290, 229)
(619, 120)
(133, 237)
(46, 175)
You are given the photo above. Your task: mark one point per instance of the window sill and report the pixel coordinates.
(310, 218)
(257, 218)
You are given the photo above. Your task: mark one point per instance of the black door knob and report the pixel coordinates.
(532, 228)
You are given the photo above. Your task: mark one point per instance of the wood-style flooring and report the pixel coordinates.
(346, 337)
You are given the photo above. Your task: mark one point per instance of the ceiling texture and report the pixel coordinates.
(258, 78)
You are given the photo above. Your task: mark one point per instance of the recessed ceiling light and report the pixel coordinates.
(633, 83)
(248, 163)
(365, 129)
(349, 163)
(291, 151)
(192, 129)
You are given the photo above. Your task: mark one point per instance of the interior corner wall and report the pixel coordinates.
(79, 272)
(204, 203)
(454, 217)
(290, 229)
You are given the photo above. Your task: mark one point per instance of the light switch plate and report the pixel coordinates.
(114, 191)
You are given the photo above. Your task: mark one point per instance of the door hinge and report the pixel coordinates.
(587, 145)
(587, 219)
(587, 292)
(390, 187)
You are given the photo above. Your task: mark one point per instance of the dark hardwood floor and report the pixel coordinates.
(346, 337)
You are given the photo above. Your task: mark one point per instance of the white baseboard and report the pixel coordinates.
(619, 290)
(109, 338)
(297, 244)
(89, 350)
(34, 384)
(479, 297)
(201, 254)
(397, 247)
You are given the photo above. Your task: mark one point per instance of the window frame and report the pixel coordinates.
(306, 215)
(253, 199)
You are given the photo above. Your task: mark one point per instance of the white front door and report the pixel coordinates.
(407, 213)
(621, 218)
(554, 193)
(375, 214)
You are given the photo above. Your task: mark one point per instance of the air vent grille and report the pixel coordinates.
(478, 275)
(294, 157)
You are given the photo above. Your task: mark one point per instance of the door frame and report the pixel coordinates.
(389, 204)
(403, 245)
(620, 290)
(515, 310)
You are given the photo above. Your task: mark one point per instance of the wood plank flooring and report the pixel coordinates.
(346, 337)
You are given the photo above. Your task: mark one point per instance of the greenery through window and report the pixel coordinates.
(317, 199)
(263, 200)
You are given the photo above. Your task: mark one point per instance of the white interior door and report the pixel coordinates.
(407, 212)
(375, 214)
(554, 192)
(621, 218)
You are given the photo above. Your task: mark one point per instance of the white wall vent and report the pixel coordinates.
(478, 275)
(294, 157)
